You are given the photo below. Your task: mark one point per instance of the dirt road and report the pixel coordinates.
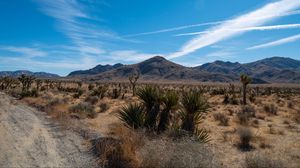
(29, 139)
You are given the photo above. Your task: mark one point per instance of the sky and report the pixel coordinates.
(60, 36)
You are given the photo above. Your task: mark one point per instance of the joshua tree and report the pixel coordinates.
(39, 83)
(48, 83)
(26, 82)
(245, 80)
(133, 79)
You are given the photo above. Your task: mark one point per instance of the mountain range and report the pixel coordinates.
(269, 70)
(28, 73)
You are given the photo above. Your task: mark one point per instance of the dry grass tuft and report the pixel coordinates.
(262, 160)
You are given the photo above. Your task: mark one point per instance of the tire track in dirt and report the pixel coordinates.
(28, 139)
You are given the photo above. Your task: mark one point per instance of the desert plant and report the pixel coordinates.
(262, 160)
(84, 110)
(39, 83)
(222, 118)
(26, 82)
(104, 107)
(91, 87)
(100, 91)
(78, 93)
(92, 99)
(245, 135)
(271, 109)
(132, 115)
(170, 101)
(133, 79)
(194, 105)
(150, 98)
(201, 135)
(245, 80)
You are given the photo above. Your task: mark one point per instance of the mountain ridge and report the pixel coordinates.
(29, 73)
(268, 70)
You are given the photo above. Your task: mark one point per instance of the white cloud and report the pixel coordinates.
(130, 55)
(260, 28)
(277, 42)
(221, 54)
(225, 31)
(296, 12)
(24, 51)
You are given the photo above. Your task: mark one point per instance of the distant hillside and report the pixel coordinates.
(35, 74)
(275, 69)
(95, 70)
(269, 70)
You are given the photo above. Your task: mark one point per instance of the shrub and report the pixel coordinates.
(222, 118)
(261, 160)
(245, 135)
(245, 114)
(271, 109)
(119, 150)
(132, 115)
(176, 154)
(170, 101)
(84, 110)
(100, 91)
(194, 106)
(78, 94)
(150, 98)
(32, 93)
(104, 107)
(92, 99)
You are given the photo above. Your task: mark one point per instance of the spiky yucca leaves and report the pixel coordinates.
(170, 101)
(132, 115)
(194, 105)
(150, 98)
(202, 135)
(245, 80)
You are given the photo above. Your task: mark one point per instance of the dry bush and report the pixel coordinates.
(270, 109)
(83, 110)
(222, 118)
(297, 116)
(245, 135)
(176, 154)
(262, 160)
(119, 150)
(104, 107)
(245, 114)
(92, 99)
(290, 104)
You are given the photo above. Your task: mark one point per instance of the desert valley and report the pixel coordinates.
(149, 84)
(143, 115)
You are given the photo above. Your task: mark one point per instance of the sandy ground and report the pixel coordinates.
(28, 139)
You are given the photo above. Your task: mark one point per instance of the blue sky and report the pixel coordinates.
(60, 36)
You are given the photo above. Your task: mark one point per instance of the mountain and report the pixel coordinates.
(275, 69)
(96, 70)
(29, 73)
(159, 69)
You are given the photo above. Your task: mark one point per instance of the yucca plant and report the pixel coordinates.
(194, 105)
(245, 80)
(150, 98)
(202, 135)
(170, 101)
(132, 115)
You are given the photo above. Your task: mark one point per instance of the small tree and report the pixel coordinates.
(133, 79)
(245, 80)
(39, 83)
(26, 82)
